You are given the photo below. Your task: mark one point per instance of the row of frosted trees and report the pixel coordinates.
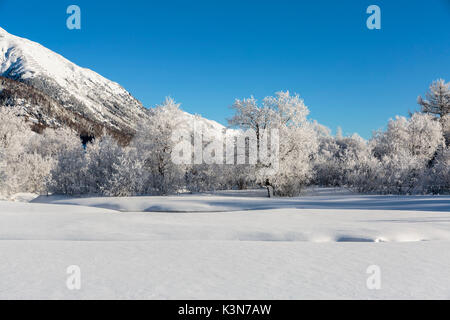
(410, 157)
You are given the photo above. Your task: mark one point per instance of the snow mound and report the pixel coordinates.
(24, 197)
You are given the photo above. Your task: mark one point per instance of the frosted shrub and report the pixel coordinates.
(402, 174)
(364, 174)
(327, 167)
(205, 177)
(102, 158)
(69, 175)
(128, 176)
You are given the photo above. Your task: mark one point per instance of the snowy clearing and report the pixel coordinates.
(326, 198)
(256, 248)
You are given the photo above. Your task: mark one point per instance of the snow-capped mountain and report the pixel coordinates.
(43, 111)
(53, 91)
(79, 90)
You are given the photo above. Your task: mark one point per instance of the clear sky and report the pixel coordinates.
(207, 53)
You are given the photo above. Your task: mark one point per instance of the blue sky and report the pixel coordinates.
(207, 53)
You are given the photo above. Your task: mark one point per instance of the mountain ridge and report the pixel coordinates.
(80, 90)
(63, 93)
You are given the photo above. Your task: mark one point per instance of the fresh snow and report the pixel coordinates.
(226, 245)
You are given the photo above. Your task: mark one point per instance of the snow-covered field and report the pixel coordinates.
(228, 245)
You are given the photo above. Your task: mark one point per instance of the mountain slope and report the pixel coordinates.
(80, 90)
(43, 111)
(52, 91)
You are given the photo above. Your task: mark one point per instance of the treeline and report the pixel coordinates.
(410, 157)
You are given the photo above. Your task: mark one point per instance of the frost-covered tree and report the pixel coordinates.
(437, 103)
(406, 150)
(290, 110)
(298, 146)
(275, 112)
(420, 136)
(15, 135)
(439, 174)
(425, 136)
(249, 115)
(437, 99)
(287, 114)
(37, 176)
(339, 159)
(445, 121)
(154, 140)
